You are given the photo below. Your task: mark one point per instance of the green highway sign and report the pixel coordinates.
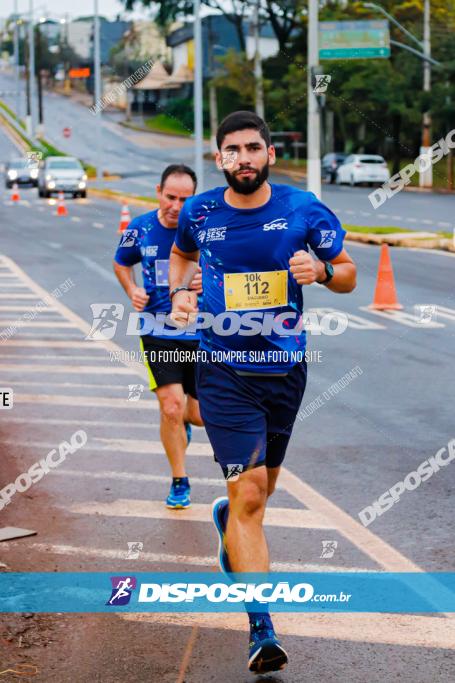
(354, 39)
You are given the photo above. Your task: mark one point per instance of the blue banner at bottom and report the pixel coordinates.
(213, 592)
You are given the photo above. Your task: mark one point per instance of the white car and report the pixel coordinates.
(62, 174)
(363, 168)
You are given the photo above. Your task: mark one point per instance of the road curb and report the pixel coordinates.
(398, 240)
(120, 198)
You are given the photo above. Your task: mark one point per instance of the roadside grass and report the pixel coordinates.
(162, 123)
(389, 230)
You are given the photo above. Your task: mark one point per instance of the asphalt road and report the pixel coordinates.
(141, 157)
(342, 457)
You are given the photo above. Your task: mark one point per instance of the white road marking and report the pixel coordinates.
(444, 224)
(92, 265)
(75, 219)
(62, 357)
(208, 561)
(390, 629)
(19, 307)
(356, 322)
(79, 423)
(92, 345)
(98, 225)
(402, 317)
(198, 512)
(146, 446)
(36, 323)
(68, 385)
(19, 296)
(88, 401)
(73, 369)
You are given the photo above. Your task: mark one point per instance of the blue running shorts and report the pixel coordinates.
(248, 419)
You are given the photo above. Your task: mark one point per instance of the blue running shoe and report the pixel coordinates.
(220, 510)
(188, 433)
(179, 495)
(266, 652)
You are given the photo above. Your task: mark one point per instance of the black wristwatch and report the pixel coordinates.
(178, 289)
(329, 272)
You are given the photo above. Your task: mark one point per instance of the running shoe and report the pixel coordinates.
(266, 652)
(179, 495)
(188, 433)
(220, 510)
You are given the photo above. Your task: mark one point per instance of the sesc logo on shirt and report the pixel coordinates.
(149, 251)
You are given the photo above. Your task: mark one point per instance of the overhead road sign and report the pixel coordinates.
(354, 39)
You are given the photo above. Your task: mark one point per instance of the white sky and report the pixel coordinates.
(56, 9)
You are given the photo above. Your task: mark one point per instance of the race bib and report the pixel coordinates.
(247, 291)
(162, 273)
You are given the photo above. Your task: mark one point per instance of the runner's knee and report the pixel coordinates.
(172, 409)
(249, 499)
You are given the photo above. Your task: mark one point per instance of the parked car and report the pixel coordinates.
(330, 163)
(62, 174)
(20, 171)
(363, 168)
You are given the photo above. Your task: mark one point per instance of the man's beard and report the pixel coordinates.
(247, 185)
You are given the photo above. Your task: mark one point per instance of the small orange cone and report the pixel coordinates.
(385, 294)
(125, 218)
(61, 208)
(15, 196)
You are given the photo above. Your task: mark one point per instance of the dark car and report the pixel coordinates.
(329, 165)
(22, 172)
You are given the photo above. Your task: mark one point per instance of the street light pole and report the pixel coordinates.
(31, 68)
(198, 110)
(97, 74)
(313, 123)
(16, 59)
(259, 90)
(426, 176)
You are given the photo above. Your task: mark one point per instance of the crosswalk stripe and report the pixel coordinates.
(70, 369)
(198, 512)
(81, 422)
(392, 629)
(62, 357)
(134, 476)
(145, 446)
(68, 385)
(19, 296)
(169, 558)
(19, 307)
(36, 323)
(98, 346)
(87, 401)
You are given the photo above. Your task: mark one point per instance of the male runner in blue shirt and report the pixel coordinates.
(253, 242)
(148, 240)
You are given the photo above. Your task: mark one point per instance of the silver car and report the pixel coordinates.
(64, 174)
(20, 171)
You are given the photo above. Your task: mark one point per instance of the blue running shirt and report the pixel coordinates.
(244, 256)
(147, 241)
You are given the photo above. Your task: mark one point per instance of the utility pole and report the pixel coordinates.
(16, 60)
(198, 94)
(259, 90)
(40, 128)
(313, 123)
(426, 176)
(97, 74)
(213, 103)
(32, 70)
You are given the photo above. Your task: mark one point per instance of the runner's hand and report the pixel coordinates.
(196, 284)
(139, 298)
(305, 268)
(184, 308)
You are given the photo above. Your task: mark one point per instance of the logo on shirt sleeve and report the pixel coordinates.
(149, 251)
(327, 238)
(128, 238)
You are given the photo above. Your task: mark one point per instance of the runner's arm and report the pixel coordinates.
(182, 268)
(138, 295)
(307, 270)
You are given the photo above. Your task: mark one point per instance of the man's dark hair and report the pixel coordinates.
(241, 120)
(178, 169)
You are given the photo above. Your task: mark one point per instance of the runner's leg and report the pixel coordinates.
(245, 539)
(192, 413)
(172, 430)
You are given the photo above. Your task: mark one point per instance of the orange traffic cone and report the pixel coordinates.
(385, 294)
(15, 196)
(61, 208)
(125, 218)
